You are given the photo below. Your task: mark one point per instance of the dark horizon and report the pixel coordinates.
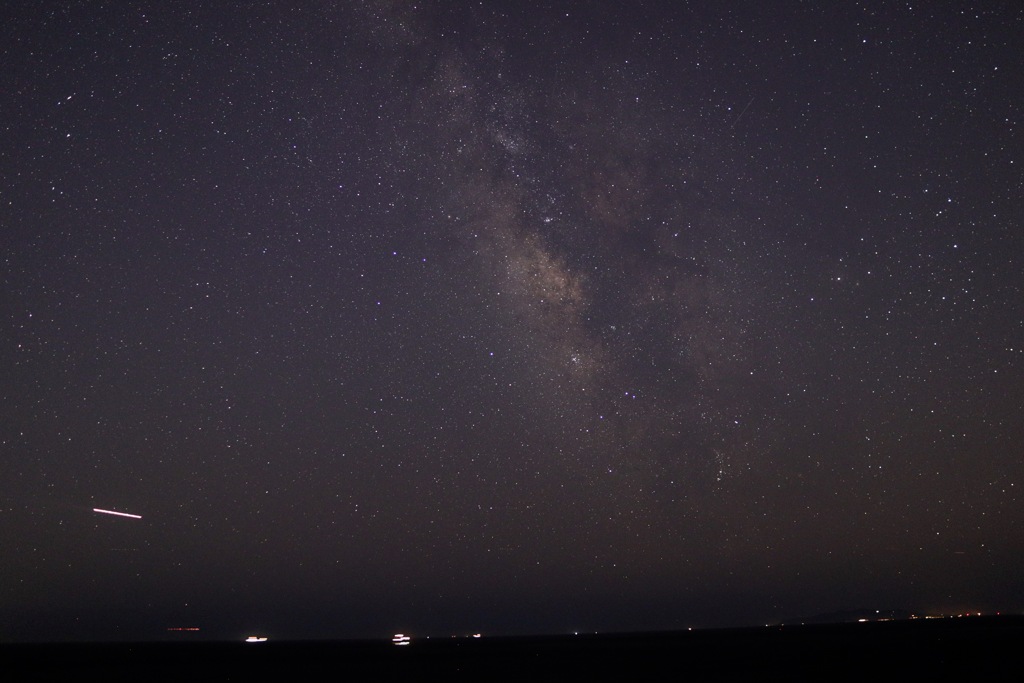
(512, 318)
(234, 635)
(898, 650)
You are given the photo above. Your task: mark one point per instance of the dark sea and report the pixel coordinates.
(976, 648)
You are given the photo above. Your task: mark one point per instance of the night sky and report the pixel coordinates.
(507, 317)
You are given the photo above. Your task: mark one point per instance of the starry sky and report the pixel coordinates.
(507, 317)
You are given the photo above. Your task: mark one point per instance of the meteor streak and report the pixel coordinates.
(119, 514)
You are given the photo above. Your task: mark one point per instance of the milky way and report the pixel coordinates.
(507, 317)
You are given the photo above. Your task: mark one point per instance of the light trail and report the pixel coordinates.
(119, 514)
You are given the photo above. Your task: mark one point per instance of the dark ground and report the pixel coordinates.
(984, 648)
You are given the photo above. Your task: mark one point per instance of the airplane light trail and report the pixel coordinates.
(119, 514)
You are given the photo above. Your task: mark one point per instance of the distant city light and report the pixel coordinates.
(183, 628)
(401, 639)
(256, 639)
